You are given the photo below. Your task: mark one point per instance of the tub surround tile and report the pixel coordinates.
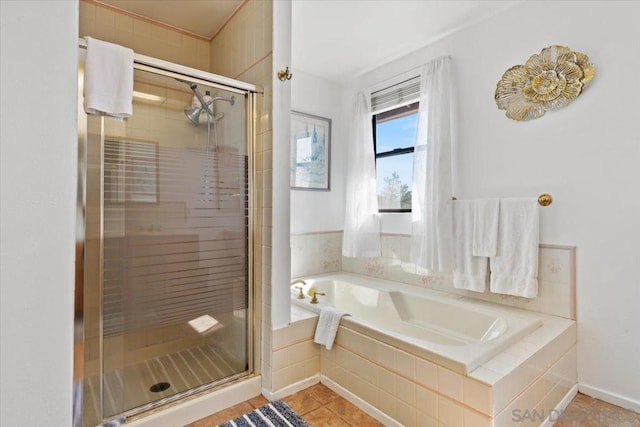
(556, 276)
(537, 371)
(406, 391)
(315, 253)
(386, 356)
(450, 413)
(427, 374)
(298, 314)
(407, 415)
(556, 264)
(450, 384)
(292, 356)
(427, 401)
(427, 420)
(472, 418)
(477, 395)
(388, 403)
(406, 364)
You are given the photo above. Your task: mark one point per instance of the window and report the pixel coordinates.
(394, 134)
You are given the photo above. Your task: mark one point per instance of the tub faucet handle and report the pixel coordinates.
(314, 298)
(299, 288)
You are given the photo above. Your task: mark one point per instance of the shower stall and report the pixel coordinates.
(164, 293)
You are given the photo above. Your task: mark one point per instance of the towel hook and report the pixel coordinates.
(284, 74)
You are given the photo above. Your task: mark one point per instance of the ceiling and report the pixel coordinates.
(342, 39)
(334, 39)
(200, 17)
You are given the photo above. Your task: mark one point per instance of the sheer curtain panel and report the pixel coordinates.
(362, 220)
(431, 235)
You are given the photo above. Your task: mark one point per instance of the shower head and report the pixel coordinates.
(193, 114)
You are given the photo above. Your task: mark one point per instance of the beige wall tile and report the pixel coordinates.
(450, 413)
(386, 356)
(406, 364)
(477, 395)
(556, 276)
(387, 402)
(143, 37)
(474, 419)
(406, 414)
(450, 383)
(426, 420)
(406, 391)
(427, 374)
(427, 401)
(87, 19)
(388, 381)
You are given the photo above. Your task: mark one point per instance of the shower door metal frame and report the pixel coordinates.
(168, 69)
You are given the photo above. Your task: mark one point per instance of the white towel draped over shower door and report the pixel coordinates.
(362, 220)
(432, 229)
(108, 79)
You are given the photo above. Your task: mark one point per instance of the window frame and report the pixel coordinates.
(412, 107)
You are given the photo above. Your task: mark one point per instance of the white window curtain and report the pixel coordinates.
(362, 220)
(431, 235)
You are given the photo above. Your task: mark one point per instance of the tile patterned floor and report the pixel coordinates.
(321, 407)
(585, 411)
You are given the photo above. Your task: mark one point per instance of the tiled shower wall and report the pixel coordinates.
(242, 50)
(316, 253)
(144, 37)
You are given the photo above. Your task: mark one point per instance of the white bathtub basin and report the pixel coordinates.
(445, 329)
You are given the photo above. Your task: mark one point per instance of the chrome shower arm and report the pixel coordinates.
(203, 104)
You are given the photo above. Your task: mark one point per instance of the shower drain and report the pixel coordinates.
(157, 388)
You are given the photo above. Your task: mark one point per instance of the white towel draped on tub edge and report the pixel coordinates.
(327, 327)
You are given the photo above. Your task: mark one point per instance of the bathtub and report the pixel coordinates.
(448, 330)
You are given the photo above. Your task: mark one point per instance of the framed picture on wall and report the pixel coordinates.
(310, 152)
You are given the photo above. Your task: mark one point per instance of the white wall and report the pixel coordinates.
(586, 155)
(280, 251)
(38, 141)
(320, 210)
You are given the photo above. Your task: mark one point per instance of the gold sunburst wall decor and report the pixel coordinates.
(548, 81)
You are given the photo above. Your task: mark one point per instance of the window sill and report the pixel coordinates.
(395, 222)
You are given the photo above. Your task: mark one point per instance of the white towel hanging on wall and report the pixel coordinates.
(514, 268)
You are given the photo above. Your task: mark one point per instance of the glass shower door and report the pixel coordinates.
(174, 253)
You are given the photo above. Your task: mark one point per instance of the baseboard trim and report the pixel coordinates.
(292, 388)
(366, 407)
(614, 399)
(561, 406)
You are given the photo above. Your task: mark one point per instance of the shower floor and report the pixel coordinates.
(129, 387)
